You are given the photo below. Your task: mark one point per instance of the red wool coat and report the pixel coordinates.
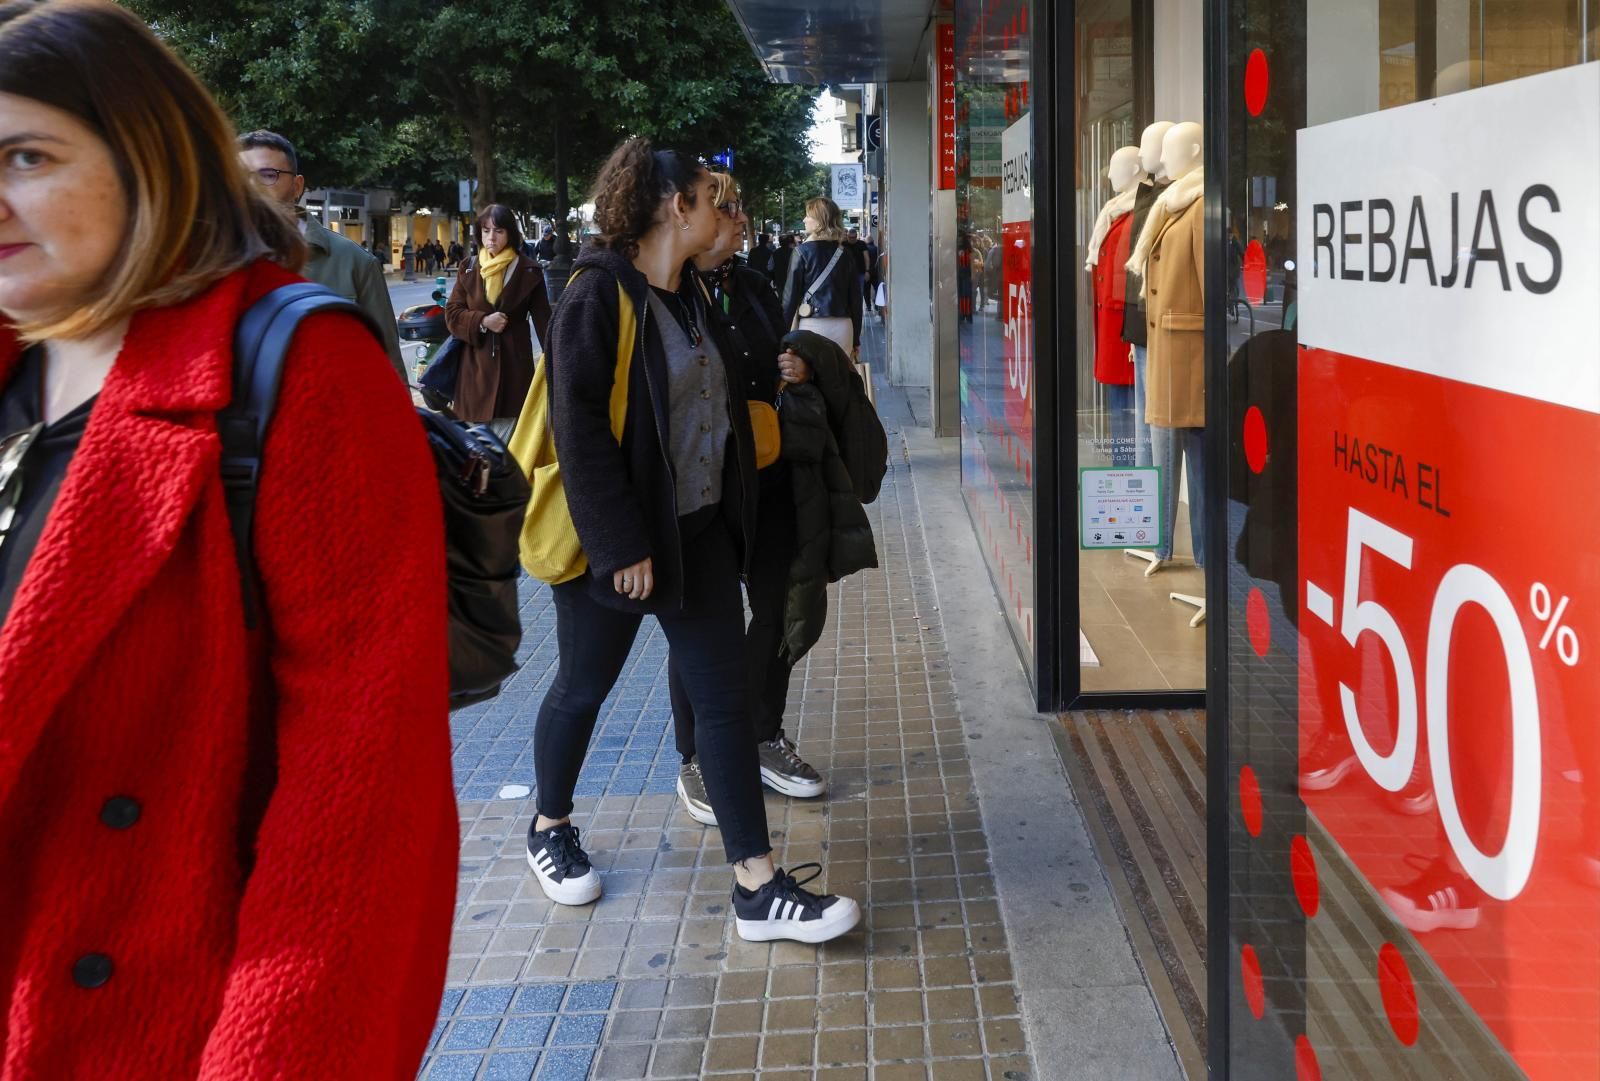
(133, 944)
(1111, 362)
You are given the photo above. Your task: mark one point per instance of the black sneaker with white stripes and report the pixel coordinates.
(782, 909)
(561, 867)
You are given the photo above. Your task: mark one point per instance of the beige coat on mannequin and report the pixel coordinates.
(1175, 306)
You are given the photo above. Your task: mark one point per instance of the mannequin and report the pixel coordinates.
(1133, 324)
(1169, 258)
(1109, 248)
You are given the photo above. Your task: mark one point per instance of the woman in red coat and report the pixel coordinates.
(226, 854)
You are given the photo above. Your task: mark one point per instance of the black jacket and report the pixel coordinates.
(623, 498)
(837, 454)
(753, 321)
(761, 258)
(837, 298)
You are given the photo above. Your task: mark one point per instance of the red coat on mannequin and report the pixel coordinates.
(1111, 361)
(134, 943)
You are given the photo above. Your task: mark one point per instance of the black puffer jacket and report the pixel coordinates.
(836, 297)
(837, 454)
(622, 498)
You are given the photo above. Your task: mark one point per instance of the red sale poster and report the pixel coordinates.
(1016, 266)
(1449, 425)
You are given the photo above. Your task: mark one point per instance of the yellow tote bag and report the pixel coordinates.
(549, 545)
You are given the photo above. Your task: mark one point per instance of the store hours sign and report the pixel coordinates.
(1449, 428)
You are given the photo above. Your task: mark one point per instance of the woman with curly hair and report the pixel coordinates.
(666, 517)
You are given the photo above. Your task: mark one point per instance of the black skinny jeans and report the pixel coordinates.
(704, 638)
(766, 673)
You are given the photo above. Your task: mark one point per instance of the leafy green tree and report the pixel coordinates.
(527, 95)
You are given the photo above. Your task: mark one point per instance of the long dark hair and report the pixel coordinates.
(502, 218)
(635, 180)
(194, 216)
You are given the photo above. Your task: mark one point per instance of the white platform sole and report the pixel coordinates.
(837, 920)
(790, 787)
(574, 891)
(705, 818)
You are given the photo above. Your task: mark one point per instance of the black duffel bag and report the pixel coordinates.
(483, 490)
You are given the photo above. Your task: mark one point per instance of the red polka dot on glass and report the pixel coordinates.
(1255, 992)
(1255, 439)
(1303, 866)
(1258, 622)
(1399, 994)
(1255, 82)
(1250, 800)
(1306, 1066)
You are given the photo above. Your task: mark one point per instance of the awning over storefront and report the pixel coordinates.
(839, 41)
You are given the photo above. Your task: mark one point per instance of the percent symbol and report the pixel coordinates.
(1547, 610)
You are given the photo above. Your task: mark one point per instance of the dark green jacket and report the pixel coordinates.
(837, 454)
(347, 268)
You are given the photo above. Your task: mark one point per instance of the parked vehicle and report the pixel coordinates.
(424, 325)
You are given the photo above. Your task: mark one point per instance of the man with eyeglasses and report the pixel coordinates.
(335, 262)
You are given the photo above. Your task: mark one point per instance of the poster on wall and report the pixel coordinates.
(1449, 420)
(1016, 269)
(849, 187)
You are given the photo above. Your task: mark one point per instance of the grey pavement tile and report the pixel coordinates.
(454, 1068)
(514, 1066)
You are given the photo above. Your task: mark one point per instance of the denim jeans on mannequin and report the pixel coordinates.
(1172, 447)
(1142, 454)
(1119, 404)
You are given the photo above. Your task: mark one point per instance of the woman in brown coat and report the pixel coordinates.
(489, 311)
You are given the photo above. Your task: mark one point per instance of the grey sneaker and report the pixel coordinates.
(692, 794)
(782, 770)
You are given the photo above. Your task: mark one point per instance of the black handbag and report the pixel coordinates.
(444, 370)
(483, 490)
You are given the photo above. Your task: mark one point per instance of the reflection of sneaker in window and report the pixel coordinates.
(1327, 762)
(1438, 898)
(1416, 798)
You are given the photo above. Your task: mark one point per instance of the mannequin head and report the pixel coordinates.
(1125, 171)
(1150, 146)
(1181, 150)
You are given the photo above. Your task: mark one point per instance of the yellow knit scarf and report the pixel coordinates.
(492, 269)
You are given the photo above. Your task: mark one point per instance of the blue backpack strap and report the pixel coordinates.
(260, 345)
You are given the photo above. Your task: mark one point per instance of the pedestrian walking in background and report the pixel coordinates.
(545, 250)
(780, 261)
(870, 292)
(335, 262)
(666, 521)
(228, 853)
(742, 300)
(489, 309)
(822, 292)
(760, 259)
(456, 254)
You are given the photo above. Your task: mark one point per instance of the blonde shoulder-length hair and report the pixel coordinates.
(194, 215)
(825, 212)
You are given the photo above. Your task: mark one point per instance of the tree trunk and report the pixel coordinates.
(480, 136)
(563, 197)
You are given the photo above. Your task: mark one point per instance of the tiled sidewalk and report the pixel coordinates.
(653, 982)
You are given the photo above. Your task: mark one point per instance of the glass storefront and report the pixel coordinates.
(994, 298)
(1410, 209)
(1141, 587)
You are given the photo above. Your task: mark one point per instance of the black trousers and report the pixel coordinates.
(704, 638)
(766, 673)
